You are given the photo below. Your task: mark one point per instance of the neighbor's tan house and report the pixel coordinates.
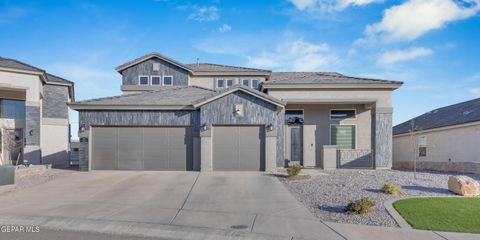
(445, 139)
(34, 116)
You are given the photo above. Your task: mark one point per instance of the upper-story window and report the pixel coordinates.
(156, 80)
(229, 83)
(220, 83)
(341, 114)
(255, 83)
(12, 109)
(246, 82)
(167, 80)
(143, 80)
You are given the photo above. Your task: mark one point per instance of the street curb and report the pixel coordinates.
(138, 229)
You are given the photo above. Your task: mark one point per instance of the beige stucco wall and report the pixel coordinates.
(382, 97)
(210, 82)
(316, 129)
(453, 145)
(55, 144)
(32, 82)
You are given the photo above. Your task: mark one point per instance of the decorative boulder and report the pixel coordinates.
(463, 185)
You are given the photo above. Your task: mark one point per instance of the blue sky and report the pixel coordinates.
(431, 45)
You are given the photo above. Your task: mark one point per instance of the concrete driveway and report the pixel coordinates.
(250, 202)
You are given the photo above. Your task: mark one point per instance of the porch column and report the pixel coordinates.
(382, 137)
(206, 153)
(271, 151)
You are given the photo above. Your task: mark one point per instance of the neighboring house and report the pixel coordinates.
(445, 139)
(34, 115)
(210, 117)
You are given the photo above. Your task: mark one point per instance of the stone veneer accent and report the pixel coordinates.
(461, 167)
(55, 101)
(83, 154)
(383, 137)
(32, 123)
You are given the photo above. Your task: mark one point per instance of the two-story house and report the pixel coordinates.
(34, 116)
(210, 117)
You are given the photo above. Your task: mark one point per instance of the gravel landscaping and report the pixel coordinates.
(328, 192)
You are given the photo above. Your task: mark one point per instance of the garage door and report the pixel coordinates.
(238, 148)
(128, 148)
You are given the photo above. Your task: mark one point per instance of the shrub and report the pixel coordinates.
(392, 189)
(294, 170)
(361, 206)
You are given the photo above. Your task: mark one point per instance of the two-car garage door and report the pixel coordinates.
(141, 148)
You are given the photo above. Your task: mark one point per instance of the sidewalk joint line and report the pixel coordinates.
(438, 234)
(185, 201)
(253, 223)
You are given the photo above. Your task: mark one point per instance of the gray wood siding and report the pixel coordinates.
(54, 101)
(383, 140)
(137, 118)
(256, 112)
(130, 75)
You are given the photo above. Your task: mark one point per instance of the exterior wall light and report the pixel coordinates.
(270, 127)
(204, 127)
(31, 132)
(82, 128)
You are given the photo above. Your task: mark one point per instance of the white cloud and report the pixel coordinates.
(474, 91)
(413, 18)
(295, 55)
(390, 57)
(225, 28)
(329, 5)
(204, 13)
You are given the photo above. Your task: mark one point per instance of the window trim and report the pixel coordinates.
(343, 109)
(216, 83)
(151, 80)
(426, 141)
(163, 80)
(249, 85)
(140, 82)
(349, 124)
(226, 83)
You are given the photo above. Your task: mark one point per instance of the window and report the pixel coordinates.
(156, 80)
(294, 117)
(343, 136)
(255, 83)
(13, 109)
(143, 80)
(342, 114)
(422, 151)
(229, 83)
(246, 82)
(220, 83)
(422, 141)
(167, 80)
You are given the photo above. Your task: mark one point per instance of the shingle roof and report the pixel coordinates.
(251, 91)
(455, 114)
(167, 96)
(57, 79)
(210, 67)
(15, 64)
(321, 78)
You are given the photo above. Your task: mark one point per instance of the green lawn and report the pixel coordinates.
(442, 213)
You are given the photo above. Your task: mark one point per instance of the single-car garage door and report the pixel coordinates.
(238, 148)
(141, 148)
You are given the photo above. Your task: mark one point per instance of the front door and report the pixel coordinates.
(296, 144)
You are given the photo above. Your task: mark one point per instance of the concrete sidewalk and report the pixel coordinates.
(169, 205)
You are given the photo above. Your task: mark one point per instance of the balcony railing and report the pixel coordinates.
(355, 158)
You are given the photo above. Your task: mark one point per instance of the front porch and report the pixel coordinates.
(332, 135)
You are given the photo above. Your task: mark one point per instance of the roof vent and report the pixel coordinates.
(156, 67)
(467, 112)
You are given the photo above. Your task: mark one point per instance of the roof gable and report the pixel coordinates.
(150, 56)
(235, 88)
(455, 114)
